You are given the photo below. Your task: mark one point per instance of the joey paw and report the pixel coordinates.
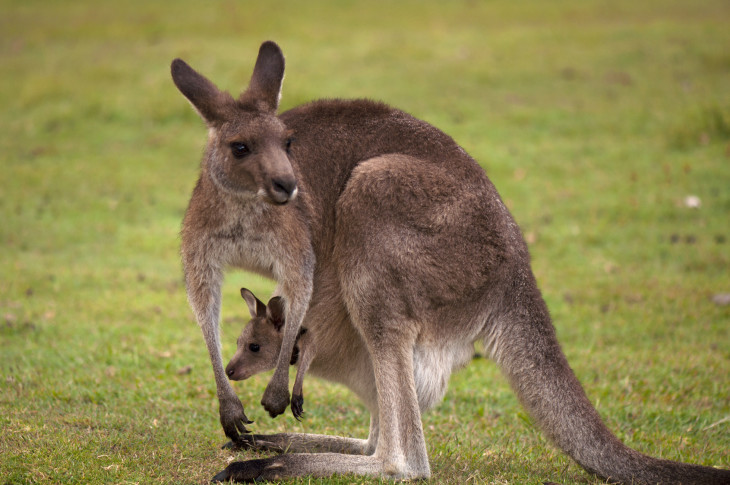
(297, 406)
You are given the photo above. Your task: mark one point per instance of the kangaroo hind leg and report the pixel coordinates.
(309, 443)
(297, 465)
(400, 452)
(401, 444)
(306, 454)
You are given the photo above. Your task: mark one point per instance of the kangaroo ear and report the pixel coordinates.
(264, 90)
(205, 97)
(255, 306)
(275, 312)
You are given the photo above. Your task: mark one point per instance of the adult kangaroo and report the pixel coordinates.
(389, 242)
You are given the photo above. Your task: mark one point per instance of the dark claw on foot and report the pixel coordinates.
(242, 471)
(236, 429)
(221, 477)
(243, 442)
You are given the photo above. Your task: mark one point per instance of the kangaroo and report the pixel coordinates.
(258, 347)
(389, 242)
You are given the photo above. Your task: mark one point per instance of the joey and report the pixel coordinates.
(258, 346)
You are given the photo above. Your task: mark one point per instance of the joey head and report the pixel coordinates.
(258, 346)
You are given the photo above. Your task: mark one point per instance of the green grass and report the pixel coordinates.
(595, 120)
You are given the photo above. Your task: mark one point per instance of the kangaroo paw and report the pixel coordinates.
(233, 418)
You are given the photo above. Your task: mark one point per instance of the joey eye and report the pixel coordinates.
(254, 347)
(289, 141)
(239, 150)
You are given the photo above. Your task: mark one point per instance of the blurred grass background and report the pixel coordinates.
(596, 120)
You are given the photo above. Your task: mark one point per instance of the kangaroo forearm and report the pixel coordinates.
(203, 280)
(296, 286)
(297, 290)
(203, 283)
(223, 386)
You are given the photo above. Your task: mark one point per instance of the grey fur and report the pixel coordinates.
(392, 246)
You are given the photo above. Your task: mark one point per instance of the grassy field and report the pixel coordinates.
(596, 121)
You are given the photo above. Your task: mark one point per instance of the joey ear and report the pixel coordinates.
(264, 90)
(205, 97)
(255, 306)
(275, 312)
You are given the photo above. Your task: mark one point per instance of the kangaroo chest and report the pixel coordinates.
(247, 243)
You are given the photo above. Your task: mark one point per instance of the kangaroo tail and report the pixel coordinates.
(528, 352)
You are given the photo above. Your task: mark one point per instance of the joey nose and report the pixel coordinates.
(230, 371)
(283, 189)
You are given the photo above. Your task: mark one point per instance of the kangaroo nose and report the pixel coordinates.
(229, 372)
(283, 189)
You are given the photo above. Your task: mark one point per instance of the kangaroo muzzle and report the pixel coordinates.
(283, 189)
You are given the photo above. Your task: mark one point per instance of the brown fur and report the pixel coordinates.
(390, 244)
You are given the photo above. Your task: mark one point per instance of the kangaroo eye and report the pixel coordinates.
(289, 141)
(254, 347)
(239, 150)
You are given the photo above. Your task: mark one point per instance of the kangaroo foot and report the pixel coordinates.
(242, 471)
(257, 442)
(248, 471)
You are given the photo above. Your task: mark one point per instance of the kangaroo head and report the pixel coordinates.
(248, 146)
(258, 347)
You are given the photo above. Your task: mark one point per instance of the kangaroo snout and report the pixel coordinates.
(283, 189)
(232, 371)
